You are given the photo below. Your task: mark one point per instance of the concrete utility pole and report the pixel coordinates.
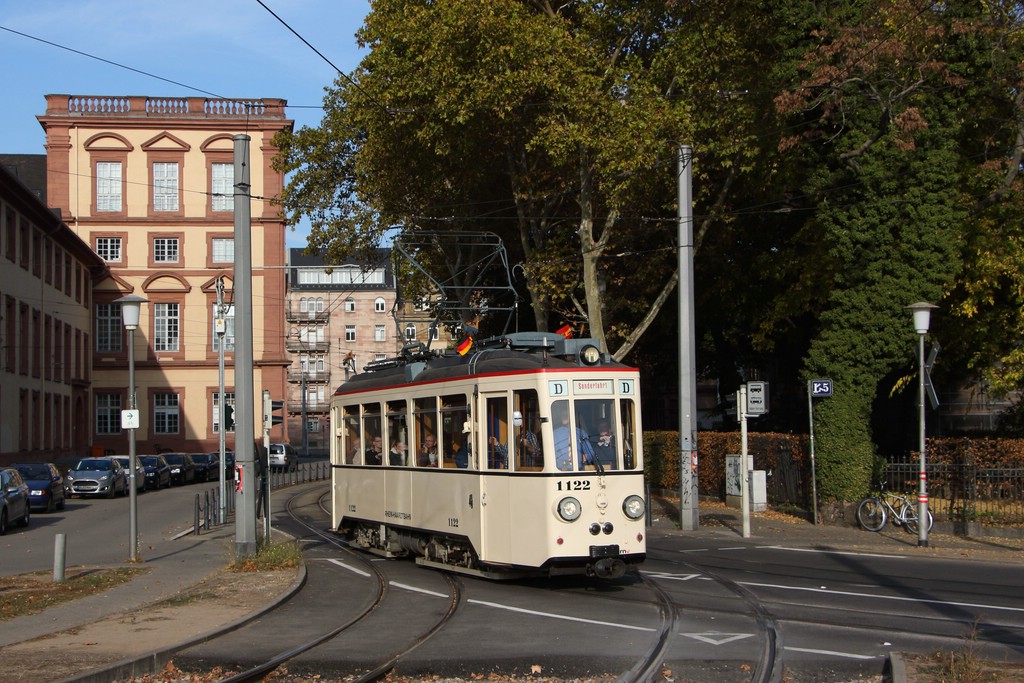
(221, 335)
(245, 403)
(689, 511)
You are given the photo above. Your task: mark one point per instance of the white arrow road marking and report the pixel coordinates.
(349, 567)
(716, 638)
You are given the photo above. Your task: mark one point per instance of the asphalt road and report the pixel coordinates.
(97, 530)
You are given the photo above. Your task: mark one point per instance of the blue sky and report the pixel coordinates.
(232, 48)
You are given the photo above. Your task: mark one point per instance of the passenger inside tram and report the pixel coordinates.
(604, 444)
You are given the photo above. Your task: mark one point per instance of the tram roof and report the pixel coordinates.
(519, 352)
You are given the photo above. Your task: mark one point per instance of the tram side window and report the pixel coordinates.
(373, 434)
(627, 419)
(398, 434)
(526, 428)
(456, 444)
(425, 433)
(497, 432)
(351, 445)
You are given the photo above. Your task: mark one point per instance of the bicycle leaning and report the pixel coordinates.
(873, 512)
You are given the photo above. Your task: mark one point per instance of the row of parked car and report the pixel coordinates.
(26, 487)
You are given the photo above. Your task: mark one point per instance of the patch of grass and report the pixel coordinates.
(961, 666)
(278, 555)
(31, 593)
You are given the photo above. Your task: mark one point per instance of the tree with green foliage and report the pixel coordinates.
(878, 128)
(554, 126)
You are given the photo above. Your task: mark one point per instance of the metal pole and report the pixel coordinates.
(133, 495)
(689, 506)
(741, 407)
(814, 476)
(922, 496)
(305, 435)
(245, 405)
(221, 437)
(59, 555)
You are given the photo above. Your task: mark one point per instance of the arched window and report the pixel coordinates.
(410, 332)
(378, 304)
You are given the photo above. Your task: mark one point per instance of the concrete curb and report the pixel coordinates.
(896, 668)
(153, 662)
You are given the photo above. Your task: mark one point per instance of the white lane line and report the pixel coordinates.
(830, 552)
(896, 598)
(736, 547)
(673, 577)
(559, 616)
(831, 653)
(349, 567)
(418, 590)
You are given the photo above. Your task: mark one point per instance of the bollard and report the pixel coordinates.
(206, 512)
(195, 518)
(59, 550)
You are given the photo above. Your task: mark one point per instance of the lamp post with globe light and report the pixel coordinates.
(922, 316)
(131, 310)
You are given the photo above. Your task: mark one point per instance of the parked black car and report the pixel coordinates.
(45, 485)
(207, 466)
(183, 470)
(13, 499)
(158, 472)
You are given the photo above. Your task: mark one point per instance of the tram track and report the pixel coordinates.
(380, 593)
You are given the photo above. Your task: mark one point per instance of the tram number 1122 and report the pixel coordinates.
(574, 485)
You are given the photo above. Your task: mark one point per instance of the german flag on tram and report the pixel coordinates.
(565, 331)
(465, 346)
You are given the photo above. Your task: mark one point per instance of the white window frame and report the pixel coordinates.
(222, 187)
(229, 328)
(410, 332)
(222, 250)
(166, 415)
(108, 186)
(350, 305)
(165, 186)
(108, 328)
(166, 327)
(379, 305)
(380, 333)
(350, 333)
(229, 399)
(166, 250)
(108, 413)
(109, 249)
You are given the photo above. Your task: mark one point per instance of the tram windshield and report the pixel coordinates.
(592, 435)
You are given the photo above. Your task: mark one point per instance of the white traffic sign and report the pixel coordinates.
(130, 419)
(757, 398)
(820, 388)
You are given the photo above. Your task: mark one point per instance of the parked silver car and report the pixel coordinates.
(100, 476)
(140, 470)
(283, 456)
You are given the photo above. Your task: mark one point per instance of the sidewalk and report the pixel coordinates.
(720, 522)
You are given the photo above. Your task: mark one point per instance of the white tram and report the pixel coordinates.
(522, 457)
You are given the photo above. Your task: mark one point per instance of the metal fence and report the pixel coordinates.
(964, 493)
(207, 513)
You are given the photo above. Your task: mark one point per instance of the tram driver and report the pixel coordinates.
(567, 443)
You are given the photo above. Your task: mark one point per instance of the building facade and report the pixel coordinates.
(339, 319)
(148, 184)
(46, 279)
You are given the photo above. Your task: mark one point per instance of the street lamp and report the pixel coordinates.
(922, 311)
(131, 309)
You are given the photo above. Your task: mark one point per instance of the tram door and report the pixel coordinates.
(495, 493)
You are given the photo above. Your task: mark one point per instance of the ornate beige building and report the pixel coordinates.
(148, 184)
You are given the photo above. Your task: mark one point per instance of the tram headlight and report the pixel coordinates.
(634, 507)
(569, 509)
